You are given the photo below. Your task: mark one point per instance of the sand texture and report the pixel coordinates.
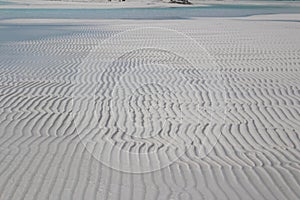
(206, 108)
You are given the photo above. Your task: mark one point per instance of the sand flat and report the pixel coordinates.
(74, 103)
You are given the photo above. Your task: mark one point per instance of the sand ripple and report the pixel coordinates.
(209, 108)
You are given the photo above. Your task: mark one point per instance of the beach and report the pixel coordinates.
(182, 107)
(88, 4)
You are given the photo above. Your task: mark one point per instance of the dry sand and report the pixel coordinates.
(219, 99)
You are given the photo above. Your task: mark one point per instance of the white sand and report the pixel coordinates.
(93, 4)
(226, 89)
(130, 3)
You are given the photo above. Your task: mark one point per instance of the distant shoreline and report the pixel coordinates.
(131, 4)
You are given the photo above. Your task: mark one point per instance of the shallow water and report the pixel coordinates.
(5, 3)
(148, 13)
(8, 3)
(13, 32)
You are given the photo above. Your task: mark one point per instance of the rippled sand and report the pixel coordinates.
(169, 109)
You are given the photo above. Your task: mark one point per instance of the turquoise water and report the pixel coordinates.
(12, 32)
(148, 13)
(5, 3)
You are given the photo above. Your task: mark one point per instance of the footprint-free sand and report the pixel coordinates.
(202, 108)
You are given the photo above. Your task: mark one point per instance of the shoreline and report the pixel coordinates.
(17, 4)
